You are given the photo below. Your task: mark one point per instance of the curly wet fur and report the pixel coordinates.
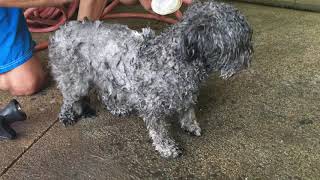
(155, 76)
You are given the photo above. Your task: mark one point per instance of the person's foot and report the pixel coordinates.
(25, 79)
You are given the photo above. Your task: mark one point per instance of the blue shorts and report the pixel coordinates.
(16, 45)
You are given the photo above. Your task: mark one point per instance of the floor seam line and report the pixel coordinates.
(29, 147)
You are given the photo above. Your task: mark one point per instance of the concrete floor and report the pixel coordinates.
(314, 2)
(308, 5)
(262, 124)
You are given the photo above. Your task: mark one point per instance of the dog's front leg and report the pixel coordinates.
(67, 115)
(160, 138)
(188, 122)
(72, 109)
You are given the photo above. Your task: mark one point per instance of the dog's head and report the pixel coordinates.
(218, 36)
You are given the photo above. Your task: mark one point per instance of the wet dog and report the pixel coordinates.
(155, 76)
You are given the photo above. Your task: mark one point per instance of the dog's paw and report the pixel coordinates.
(67, 122)
(89, 112)
(172, 152)
(168, 149)
(67, 119)
(193, 130)
(196, 131)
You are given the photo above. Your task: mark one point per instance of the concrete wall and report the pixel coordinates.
(310, 5)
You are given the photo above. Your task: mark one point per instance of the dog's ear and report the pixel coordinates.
(193, 40)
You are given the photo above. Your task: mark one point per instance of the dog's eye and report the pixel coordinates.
(201, 28)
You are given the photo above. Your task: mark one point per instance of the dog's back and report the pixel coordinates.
(95, 53)
(93, 44)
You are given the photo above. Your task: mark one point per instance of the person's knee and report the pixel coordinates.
(23, 88)
(26, 79)
(28, 88)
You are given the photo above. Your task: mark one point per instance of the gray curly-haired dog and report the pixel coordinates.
(155, 76)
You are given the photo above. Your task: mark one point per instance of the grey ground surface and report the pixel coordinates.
(263, 123)
(308, 5)
(314, 2)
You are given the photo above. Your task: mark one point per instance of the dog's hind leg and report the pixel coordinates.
(74, 105)
(160, 138)
(188, 122)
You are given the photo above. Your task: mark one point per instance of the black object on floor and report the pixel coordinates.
(8, 115)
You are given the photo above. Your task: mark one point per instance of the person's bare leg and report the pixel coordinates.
(128, 2)
(92, 9)
(25, 79)
(146, 4)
